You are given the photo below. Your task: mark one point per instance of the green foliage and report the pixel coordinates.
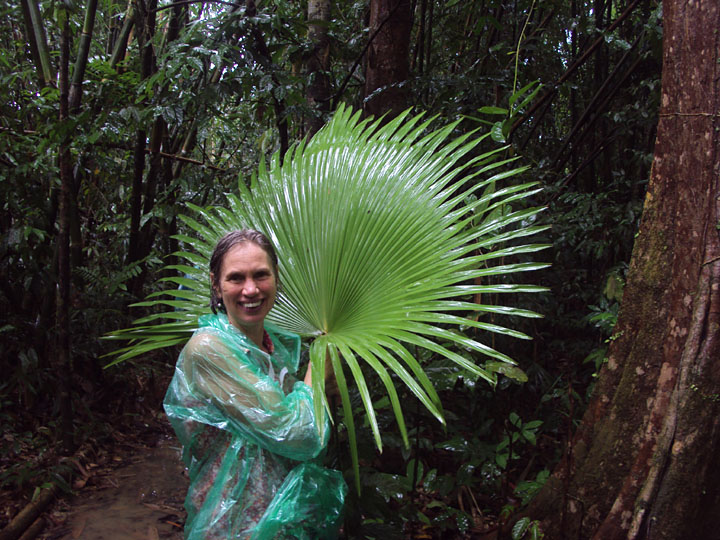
(16, 470)
(518, 101)
(604, 315)
(527, 489)
(376, 253)
(215, 89)
(517, 433)
(526, 529)
(458, 482)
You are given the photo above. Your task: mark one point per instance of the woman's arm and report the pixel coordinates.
(249, 402)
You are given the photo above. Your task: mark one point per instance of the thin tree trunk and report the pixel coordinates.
(30, 37)
(136, 196)
(595, 108)
(281, 120)
(36, 34)
(113, 27)
(420, 47)
(573, 68)
(82, 56)
(178, 19)
(428, 36)
(187, 146)
(63, 289)
(122, 41)
(145, 32)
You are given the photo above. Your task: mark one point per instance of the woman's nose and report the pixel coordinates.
(250, 287)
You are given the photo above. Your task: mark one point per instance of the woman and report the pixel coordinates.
(247, 426)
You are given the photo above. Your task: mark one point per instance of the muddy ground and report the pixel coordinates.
(139, 498)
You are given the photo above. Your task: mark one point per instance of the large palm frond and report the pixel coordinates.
(384, 234)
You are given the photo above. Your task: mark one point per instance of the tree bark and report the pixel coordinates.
(642, 460)
(265, 59)
(318, 63)
(387, 68)
(145, 23)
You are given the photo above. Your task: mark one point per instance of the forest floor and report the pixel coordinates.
(128, 484)
(130, 488)
(139, 496)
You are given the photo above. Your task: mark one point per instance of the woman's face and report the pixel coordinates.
(247, 286)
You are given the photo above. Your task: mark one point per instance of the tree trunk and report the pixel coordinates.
(266, 60)
(318, 63)
(38, 41)
(145, 22)
(62, 318)
(641, 464)
(82, 56)
(120, 45)
(387, 66)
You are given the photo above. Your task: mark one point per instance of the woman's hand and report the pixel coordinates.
(331, 388)
(308, 375)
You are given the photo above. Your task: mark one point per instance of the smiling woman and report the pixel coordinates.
(248, 427)
(244, 281)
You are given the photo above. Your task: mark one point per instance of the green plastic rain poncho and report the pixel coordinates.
(249, 438)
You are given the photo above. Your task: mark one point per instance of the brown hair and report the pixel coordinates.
(224, 245)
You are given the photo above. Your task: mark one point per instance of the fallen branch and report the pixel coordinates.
(35, 529)
(29, 514)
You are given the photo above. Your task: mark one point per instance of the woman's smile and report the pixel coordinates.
(248, 287)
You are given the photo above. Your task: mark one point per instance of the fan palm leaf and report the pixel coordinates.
(383, 234)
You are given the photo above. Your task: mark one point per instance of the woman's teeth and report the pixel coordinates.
(250, 305)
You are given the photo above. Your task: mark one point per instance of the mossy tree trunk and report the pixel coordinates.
(643, 462)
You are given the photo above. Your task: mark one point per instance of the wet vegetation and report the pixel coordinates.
(112, 127)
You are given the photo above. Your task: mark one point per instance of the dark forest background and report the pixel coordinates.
(116, 115)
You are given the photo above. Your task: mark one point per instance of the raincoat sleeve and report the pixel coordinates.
(239, 396)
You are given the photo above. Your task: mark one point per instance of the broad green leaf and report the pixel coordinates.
(520, 528)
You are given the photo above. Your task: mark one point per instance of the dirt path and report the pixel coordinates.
(141, 500)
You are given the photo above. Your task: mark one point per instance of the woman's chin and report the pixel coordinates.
(245, 320)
